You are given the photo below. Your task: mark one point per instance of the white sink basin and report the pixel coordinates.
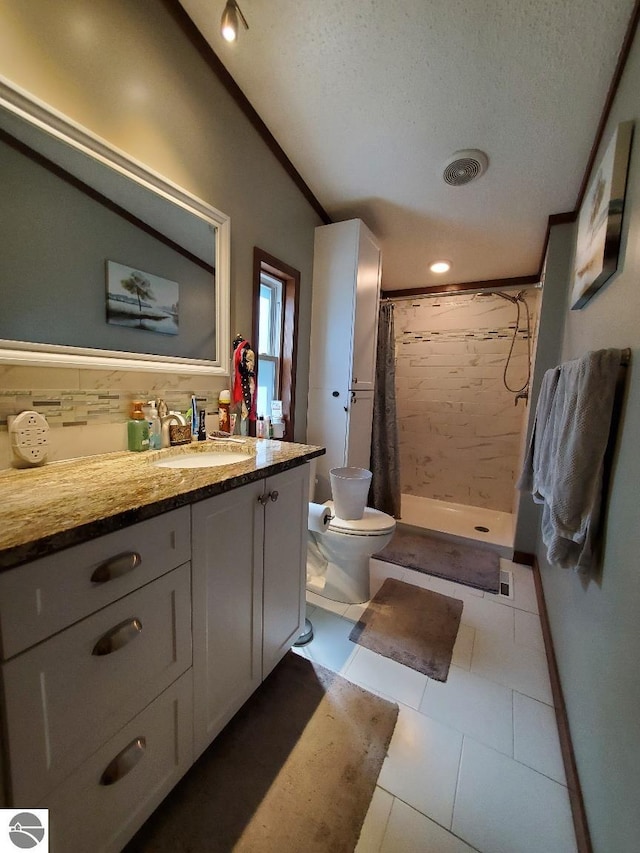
(203, 460)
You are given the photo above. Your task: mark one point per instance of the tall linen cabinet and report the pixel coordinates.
(344, 328)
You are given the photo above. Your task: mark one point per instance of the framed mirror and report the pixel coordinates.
(105, 263)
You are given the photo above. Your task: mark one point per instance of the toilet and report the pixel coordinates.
(338, 559)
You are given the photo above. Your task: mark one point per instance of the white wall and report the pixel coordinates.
(459, 428)
(596, 627)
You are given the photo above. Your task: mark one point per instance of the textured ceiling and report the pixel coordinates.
(368, 99)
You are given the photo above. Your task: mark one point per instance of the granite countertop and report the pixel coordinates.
(65, 503)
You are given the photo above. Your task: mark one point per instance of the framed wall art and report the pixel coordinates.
(141, 300)
(600, 219)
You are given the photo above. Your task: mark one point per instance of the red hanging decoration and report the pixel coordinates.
(244, 379)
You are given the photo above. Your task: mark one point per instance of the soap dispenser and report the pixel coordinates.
(153, 420)
(138, 429)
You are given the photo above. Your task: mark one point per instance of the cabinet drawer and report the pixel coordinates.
(47, 595)
(85, 814)
(68, 695)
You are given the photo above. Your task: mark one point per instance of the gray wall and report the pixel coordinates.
(124, 69)
(556, 277)
(596, 627)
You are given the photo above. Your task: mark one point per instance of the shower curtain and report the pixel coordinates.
(385, 458)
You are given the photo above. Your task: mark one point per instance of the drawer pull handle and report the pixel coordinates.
(118, 637)
(273, 495)
(263, 499)
(115, 567)
(124, 761)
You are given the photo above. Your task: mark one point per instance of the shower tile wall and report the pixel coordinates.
(460, 431)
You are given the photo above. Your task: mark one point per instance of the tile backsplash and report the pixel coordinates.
(87, 410)
(69, 408)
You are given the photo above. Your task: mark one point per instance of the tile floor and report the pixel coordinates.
(474, 764)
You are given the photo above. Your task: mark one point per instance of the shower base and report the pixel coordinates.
(459, 522)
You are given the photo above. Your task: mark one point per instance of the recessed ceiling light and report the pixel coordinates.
(440, 266)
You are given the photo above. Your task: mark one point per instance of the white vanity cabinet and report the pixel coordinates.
(249, 556)
(82, 685)
(286, 510)
(96, 665)
(123, 657)
(151, 753)
(227, 607)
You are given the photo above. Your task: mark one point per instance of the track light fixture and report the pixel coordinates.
(229, 21)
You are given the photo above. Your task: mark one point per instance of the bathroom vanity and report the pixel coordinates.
(140, 606)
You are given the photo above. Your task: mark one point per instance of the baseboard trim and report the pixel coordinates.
(581, 827)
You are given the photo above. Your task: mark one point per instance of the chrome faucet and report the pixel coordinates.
(165, 422)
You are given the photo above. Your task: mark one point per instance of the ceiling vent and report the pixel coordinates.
(464, 167)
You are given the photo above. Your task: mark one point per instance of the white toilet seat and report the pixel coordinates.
(372, 523)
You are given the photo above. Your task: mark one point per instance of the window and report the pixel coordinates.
(275, 321)
(269, 341)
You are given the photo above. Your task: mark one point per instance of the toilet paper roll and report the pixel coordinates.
(319, 517)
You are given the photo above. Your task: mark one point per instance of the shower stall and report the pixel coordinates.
(463, 364)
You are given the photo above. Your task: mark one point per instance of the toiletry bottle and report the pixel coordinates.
(260, 427)
(224, 402)
(155, 440)
(138, 429)
(202, 427)
(194, 418)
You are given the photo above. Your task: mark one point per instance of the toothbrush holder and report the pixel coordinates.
(179, 434)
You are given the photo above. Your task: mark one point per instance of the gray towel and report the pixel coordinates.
(564, 467)
(536, 463)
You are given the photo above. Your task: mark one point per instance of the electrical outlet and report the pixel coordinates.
(29, 433)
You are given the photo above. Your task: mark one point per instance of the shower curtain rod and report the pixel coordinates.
(460, 292)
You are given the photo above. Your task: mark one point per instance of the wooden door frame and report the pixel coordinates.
(263, 262)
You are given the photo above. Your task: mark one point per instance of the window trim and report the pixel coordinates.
(263, 262)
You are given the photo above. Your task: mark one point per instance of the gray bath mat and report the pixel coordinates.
(460, 563)
(295, 769)
(413, 626)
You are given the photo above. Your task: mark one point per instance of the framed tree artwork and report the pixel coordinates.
(600, 219)
(141, 300)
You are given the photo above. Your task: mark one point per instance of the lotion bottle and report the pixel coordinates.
(138, 429)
